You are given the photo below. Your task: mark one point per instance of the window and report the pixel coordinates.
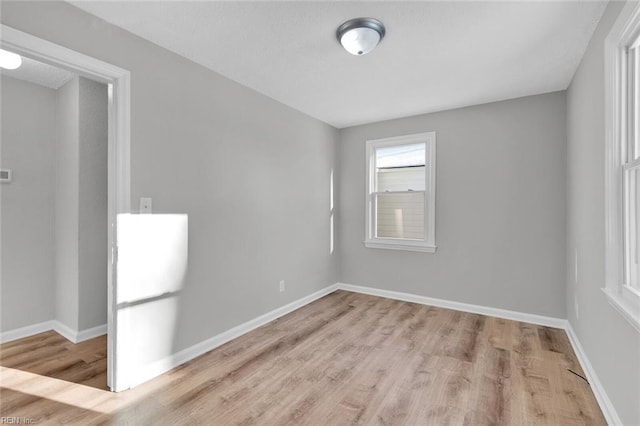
(400, 193)
(631, 171)
(622, 166)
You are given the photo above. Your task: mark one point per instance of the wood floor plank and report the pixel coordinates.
(344, 359)
(318, 369)
(370, 373)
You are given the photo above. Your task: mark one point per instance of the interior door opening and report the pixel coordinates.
(87, 170)
(54, 213)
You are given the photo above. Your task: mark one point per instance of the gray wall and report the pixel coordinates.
(67, 205)
(54, 232)
(252, 174)
(500, 208)
(612, 345)
(27, 204)
(92, 208)
(81, 204)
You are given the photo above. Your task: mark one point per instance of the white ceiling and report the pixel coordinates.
(435, 56)
(40, 73)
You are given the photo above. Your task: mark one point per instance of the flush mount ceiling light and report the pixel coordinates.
(9, 60)
(361, 35)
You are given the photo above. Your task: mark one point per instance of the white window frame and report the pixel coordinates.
(427, 245)
(624, 298)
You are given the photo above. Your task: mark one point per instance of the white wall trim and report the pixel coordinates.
(624, 307)
(400, 246)
(167, 363)
(22, 332)
(91, 333)
(75, 336)
(66, 332)
(606, 406)
(458, 306)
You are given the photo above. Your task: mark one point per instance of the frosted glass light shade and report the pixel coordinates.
(360, 36)
(9, 60)
(360, 41)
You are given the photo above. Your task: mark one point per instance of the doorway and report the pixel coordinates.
(118, 162)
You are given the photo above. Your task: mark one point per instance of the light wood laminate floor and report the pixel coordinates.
(344, 359)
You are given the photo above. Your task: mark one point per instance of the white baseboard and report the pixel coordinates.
(66, 332)
(78, 336)
(22, 332)
(458, 306)
(165, 364)
(606, 406)
(90, 333)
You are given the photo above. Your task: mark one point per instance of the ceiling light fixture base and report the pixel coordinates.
(360, 36)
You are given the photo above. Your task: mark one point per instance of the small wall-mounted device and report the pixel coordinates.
(5, 175)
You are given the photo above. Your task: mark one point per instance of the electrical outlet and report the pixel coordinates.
(576, 306)
(281, 286)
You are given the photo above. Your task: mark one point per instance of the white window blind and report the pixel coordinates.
(399, 192)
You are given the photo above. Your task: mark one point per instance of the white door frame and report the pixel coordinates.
(119, 164)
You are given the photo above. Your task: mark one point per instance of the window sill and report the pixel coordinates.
(626, 307)
(396, 245)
